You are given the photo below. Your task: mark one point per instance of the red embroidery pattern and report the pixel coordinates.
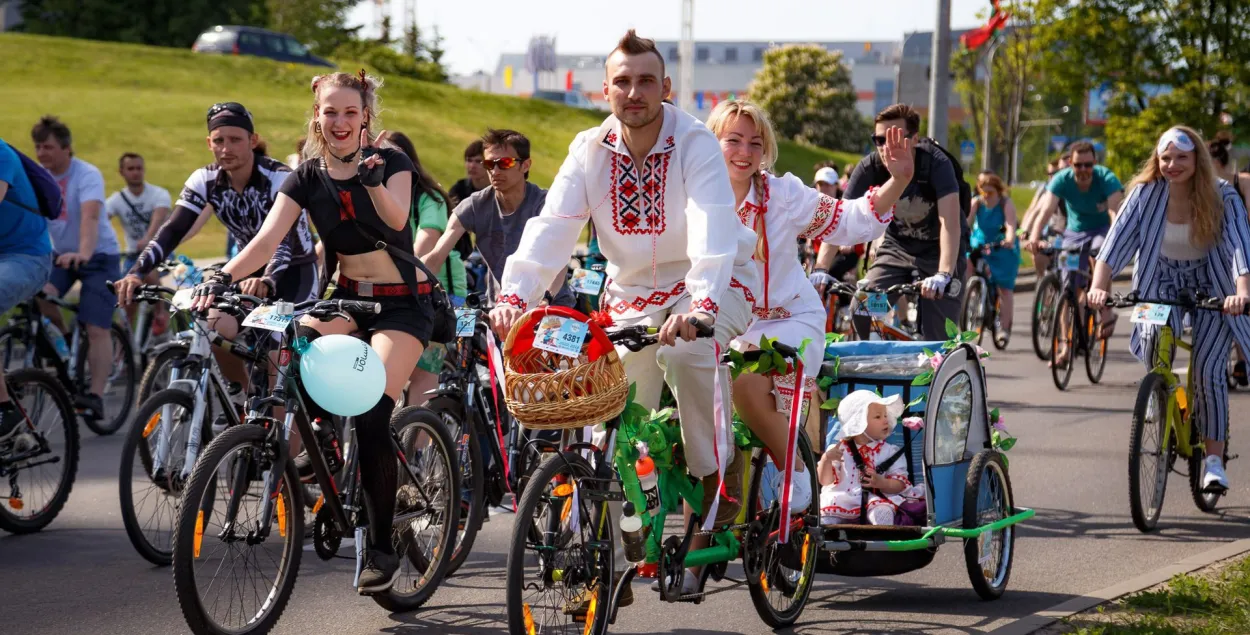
(512, 299)
(657, 298)
(638, 195)
(883, 218)
(611, 138)
(746, 293)
(771, 313)
(706, 304)
(819, 226)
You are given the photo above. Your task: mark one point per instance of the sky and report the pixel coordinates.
(475, 32)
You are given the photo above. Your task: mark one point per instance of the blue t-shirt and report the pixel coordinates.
(1086, 210)
(21, 231)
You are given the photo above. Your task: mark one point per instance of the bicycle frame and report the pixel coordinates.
(66, 370)
(1178, 414)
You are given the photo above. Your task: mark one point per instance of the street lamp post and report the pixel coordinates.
(989, 84)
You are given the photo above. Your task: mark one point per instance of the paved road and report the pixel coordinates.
(81, 574)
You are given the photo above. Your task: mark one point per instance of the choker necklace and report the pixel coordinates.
(344, 159)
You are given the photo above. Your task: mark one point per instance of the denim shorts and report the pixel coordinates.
(23, 276)
(95, 302)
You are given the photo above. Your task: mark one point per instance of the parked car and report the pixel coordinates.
(566, 97)
(250, 40)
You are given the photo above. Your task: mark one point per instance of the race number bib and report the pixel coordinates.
(466, 322)
(268, 318)
(1151, 313)
(877, 305)
(182, 299)
(559, 335)
(586, 282)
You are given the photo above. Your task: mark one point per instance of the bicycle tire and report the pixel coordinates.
(988, 467)
(136, 446)
(972, 312)
(17, 379)
(758, 581)
(165, 356)
(410, 421)
(568, 465)
(1206, 502)
(124, 361)
(1062, 373)
(185, 548)
(1042, 316)
(1146, 516)
(471, 465)
(11, 359)
(1095, 347)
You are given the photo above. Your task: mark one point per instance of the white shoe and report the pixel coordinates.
(800, 491)
(1213, 478)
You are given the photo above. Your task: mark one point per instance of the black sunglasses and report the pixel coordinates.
(879, 140)
(503, 163)
(230, 107)
(1083, 166)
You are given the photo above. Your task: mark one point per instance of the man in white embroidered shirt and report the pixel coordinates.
(654, 182)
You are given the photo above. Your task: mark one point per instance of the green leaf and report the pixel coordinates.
(952, 330)
(780, 363)
(923, 379)
(1006, 462)
(928, 353)
(766, 344)
(994, 415)
(633, 392)
(967, 336)
(831, 403)
(803, 347)
(1006, 444)
(917, 401)
(824, 383)
(764, 364)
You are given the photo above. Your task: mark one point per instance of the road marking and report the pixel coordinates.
(1079, 604)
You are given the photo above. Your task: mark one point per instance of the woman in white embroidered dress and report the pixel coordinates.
(782, 210)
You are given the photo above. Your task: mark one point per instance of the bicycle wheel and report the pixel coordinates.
(972, 313)
(559, 575)
(987, 499)
(426, 510)
(157, 373)
(119, 388)
(472, 497)
(230, 580)
(1148, 459)
(43, 459)
(1062, 340)
(1043, 314)
(151, 498)
(1096, 346)
(780, 576)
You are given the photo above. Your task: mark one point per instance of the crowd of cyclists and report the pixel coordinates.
(697, 232)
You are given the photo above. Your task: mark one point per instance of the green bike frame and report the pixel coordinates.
(1178, 415)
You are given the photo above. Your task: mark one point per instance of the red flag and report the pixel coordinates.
(976, 38)
(568, 81)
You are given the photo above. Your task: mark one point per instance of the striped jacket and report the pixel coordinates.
(1138, 232)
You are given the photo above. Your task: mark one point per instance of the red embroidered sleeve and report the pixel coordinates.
(883, 217)
(705, 305)
(825, 218)
(513, 300)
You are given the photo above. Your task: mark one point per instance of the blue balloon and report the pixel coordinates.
(343, 374)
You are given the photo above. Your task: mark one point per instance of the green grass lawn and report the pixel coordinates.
(121, 97)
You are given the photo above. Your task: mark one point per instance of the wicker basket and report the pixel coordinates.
(548, 391)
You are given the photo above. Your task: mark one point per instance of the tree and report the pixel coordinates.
(174, 23)
(1195, 50)
(808, 94)
(321, 25)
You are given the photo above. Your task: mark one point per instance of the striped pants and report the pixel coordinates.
(1212, 338)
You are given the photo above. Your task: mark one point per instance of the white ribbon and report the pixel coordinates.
(723, 446)
(1177, 137)
(495, 359)
(796, 413)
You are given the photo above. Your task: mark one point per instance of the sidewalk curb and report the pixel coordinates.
(1068, 608)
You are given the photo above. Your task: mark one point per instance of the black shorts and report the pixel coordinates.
(299, 283)
(409, 314)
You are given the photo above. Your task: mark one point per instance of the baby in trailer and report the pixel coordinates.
(867, 421)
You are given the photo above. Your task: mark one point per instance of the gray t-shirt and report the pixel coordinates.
(498, 236)
(80, 184)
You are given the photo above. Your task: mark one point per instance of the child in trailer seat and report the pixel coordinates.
(867, 421)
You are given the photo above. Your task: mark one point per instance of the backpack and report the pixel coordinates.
(47, 192)
(924, 172)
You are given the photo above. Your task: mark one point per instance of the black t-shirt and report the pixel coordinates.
(309, 190)
(913, 239)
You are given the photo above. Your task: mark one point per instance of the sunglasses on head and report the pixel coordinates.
(1084, 165)
(503, 163)
(879, 140)
(230, 107)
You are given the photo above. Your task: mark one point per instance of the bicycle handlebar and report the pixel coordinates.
(1201, 302)
(636, 338)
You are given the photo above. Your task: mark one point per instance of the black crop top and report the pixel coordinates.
(331, 212)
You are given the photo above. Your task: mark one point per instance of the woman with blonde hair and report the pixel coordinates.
(782, 210)
(992, 218)
(1187, 230)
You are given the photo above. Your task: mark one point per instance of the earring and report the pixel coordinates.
(317, 126)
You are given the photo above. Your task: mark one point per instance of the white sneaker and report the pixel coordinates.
(800, 491)
(1213, 478)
